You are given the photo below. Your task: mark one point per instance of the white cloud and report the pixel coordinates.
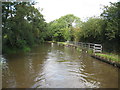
(53, 9)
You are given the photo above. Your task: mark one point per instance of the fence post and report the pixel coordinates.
(97, 48)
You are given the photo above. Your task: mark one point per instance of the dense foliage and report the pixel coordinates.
(64, 28)
(104, 29)
(111, 16)
(22, 25)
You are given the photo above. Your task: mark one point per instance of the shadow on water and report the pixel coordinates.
(53, 66)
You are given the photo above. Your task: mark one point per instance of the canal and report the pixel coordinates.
(53, 66)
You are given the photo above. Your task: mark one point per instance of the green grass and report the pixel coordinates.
(109, 56)
(51, 41)
(90, 51)
(79, 49)
(64, 43)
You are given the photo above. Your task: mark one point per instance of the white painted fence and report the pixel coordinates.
(97, 48)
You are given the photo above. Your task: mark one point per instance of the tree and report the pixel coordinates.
(91, 30)
(111, 16)
(23, 25)
(62, 29)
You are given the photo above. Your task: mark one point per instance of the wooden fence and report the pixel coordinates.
(97, 48)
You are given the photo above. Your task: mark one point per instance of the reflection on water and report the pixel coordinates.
(41, 68)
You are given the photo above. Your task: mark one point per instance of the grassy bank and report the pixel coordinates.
(67, 44)
(109, 56)
(51, 41)
(63, 43)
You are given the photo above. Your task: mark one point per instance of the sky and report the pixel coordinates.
(54, 9)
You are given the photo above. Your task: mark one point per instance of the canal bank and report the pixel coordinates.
(112, 60)
(106, 60)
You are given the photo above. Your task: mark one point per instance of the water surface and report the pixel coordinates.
(53, 66)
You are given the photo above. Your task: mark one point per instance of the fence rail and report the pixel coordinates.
(97, 48)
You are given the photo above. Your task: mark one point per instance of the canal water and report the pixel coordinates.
(54, 66)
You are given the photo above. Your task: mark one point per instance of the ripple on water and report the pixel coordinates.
(40, 69)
